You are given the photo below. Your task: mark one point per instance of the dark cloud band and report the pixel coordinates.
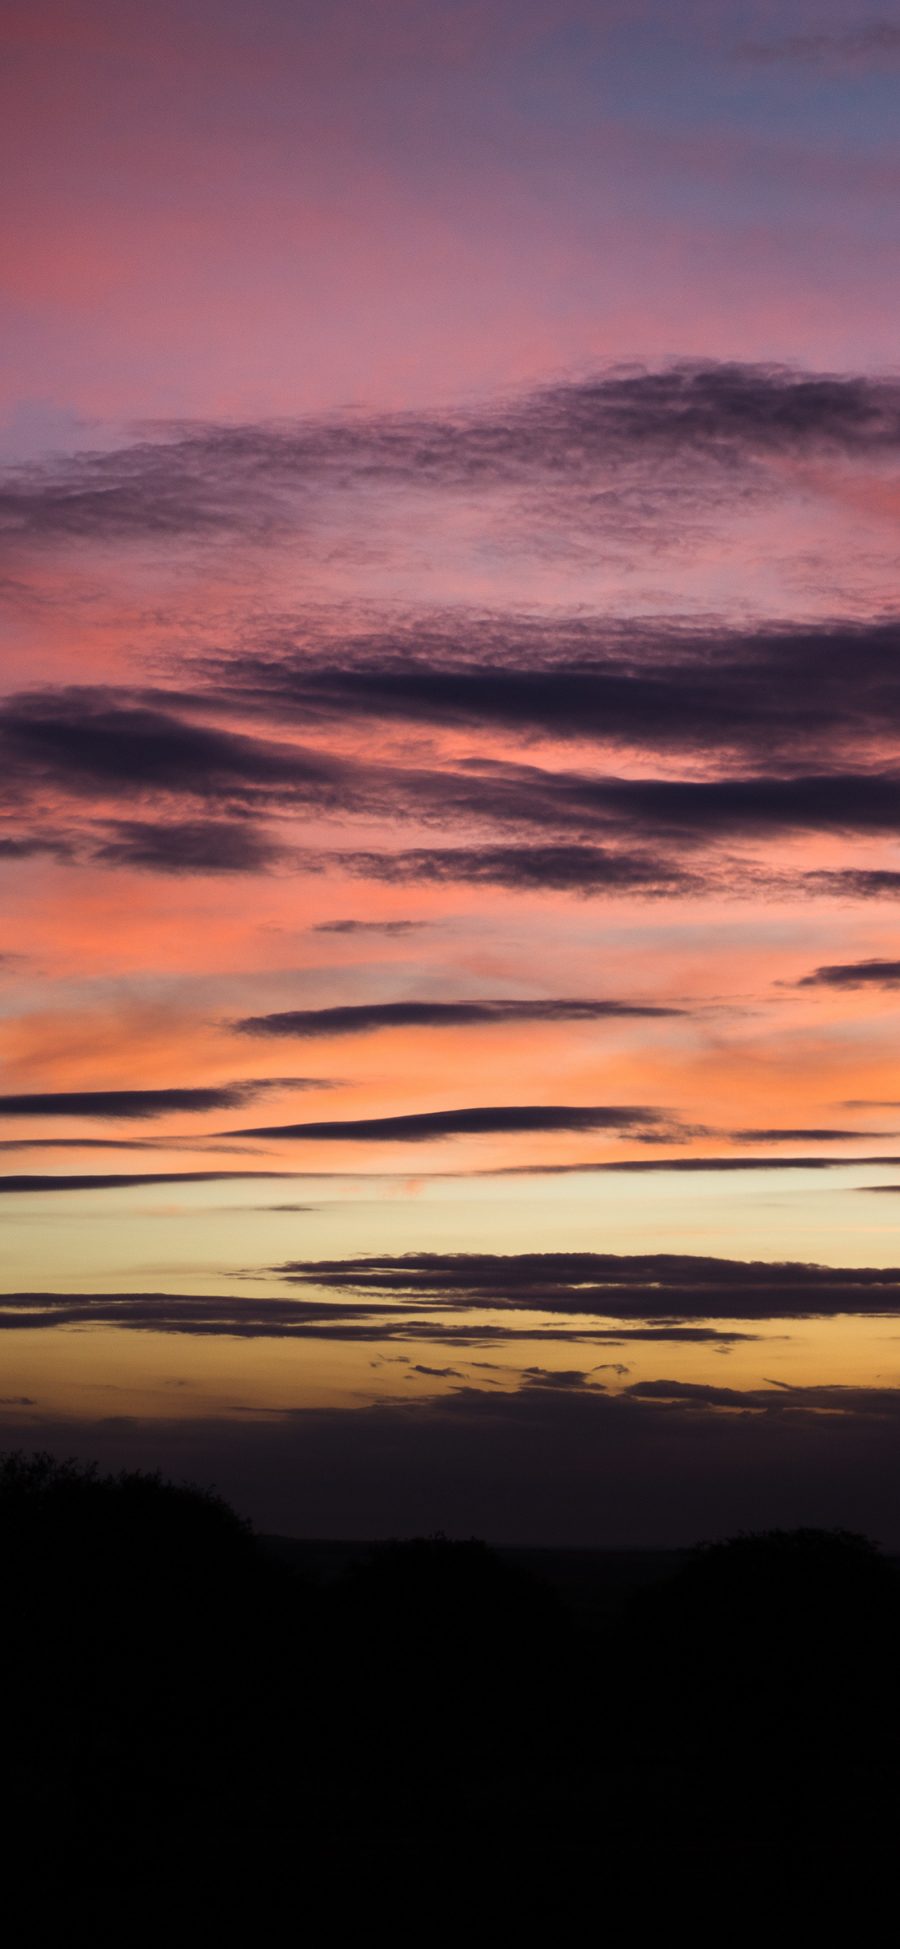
(655, 1286)
(365, 1018)
(487, 1121)
(854, 974)
(685, 688)
(28, 1183)
(138, 1103)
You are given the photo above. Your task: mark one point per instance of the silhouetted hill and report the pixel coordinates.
(188, 1705)
(592, 1582)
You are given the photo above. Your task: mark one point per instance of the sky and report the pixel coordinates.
(450, 845)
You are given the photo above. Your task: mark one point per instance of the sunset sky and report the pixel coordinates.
(451, 801)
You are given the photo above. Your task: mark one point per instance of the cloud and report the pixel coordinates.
(784, 689)
(684, 810)
(243, 1316)
(92, 743)
(425, 1126)
(624, 444)
(364, 1018)
(365, 927)
(144, 1103)
(363, 1321)
(854, 974)
(92, 736)
(25, 1183)
(681, 687)
(90, 1143)
(30, 845)
(96, 735)
(680, 1335)
(207, 1145)
(108, 749)
(524, 869)
(671, 1133)
(189, 846)
(872, 41)
(694, 1393)
(213, 795)
(855, 883)
(653, 1286)
(280, 1207)
(588, 827)
(437, 1373)
(776, 1135)
(626, 814)
(692, 1163)
(561, 1377)
(778, 1398)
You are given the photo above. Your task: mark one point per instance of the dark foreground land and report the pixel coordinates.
(195, 1716)
(591, 1584)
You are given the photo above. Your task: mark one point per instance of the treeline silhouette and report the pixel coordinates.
(184, 1707)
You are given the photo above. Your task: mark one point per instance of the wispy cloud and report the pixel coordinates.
(631, 448)
(564, 868)
(365, 928)
(855, 882)
(869, 41)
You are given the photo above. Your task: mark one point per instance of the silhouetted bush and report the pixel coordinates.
(764, 1701)
(135, 1616)
(788, 1628)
